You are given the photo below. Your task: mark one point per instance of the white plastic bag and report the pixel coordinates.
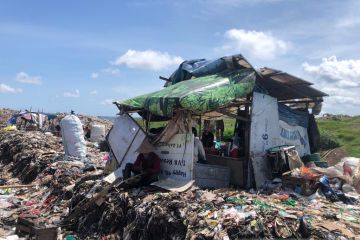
(73, 136)
(294, 159)
(97, 132)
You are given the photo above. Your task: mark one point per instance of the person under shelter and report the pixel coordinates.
(207, 138)
(146, 163)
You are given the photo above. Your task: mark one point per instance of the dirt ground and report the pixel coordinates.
(334, 156)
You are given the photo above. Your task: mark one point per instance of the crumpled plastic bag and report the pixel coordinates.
(9, 128)
(294, 159)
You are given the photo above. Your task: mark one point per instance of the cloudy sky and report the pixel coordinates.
(81, 55)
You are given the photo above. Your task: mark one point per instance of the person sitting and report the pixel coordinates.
(199, 151)
(207, 138)
(146, 163)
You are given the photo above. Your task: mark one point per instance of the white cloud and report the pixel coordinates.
(107, 101)
(260, 45)
(342, 96)
(348, 22)
(94, 75)
(74, 94)
(23, 77)
(339, 73)
(7, 89)
(93, 92)
(147, 59)
(341, 80)
(111, 71)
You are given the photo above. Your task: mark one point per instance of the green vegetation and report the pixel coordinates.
(328, 140)
(335, 131)
(343, 130)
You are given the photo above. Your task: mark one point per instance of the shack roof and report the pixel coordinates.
(285, 86)
(217, 87)
(199, 95)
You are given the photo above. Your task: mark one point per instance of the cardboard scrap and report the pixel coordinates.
(173, 185)
(333, 226)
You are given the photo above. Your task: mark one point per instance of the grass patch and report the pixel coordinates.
(344, 130)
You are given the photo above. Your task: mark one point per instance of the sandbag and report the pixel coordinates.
(73, 136)
(97, 133)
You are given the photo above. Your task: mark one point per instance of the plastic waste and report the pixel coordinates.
(97, 133)
(235, 200)
(73, 136)
(305, 227)
(9, 128)
(326, 189)
(331, 194)
(70, 237)
(348, 188)
(290, 202)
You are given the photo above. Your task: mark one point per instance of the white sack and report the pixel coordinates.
(73, 136)
(97, 132)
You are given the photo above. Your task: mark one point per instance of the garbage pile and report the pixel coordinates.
(28, 153)
(5, 115)
(93, 120)
(143, 213)
(34, 162)
(310, 202)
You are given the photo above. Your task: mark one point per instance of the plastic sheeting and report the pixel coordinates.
(176, 157)
(264, 134)
(293, 117)
(296, 136)
(202, 67)
(293, 126)
(198, 95)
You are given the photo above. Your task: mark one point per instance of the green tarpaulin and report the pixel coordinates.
(199, 95)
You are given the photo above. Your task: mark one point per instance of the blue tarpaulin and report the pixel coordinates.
(203, 67)
(293, 117)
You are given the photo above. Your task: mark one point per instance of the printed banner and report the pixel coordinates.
(295, 135)
(176, 157)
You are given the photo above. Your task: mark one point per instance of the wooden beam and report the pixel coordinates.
(301, 101)
(165, 79)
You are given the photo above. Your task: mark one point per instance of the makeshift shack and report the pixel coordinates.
(271, 108)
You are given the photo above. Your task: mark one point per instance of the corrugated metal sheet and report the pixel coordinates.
(285, 86)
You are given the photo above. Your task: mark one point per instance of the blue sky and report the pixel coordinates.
(81, 55)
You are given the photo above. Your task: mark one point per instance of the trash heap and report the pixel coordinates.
(218, 214)
(57, 185)
(36, 159)
(28, 153)
(5, 115)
